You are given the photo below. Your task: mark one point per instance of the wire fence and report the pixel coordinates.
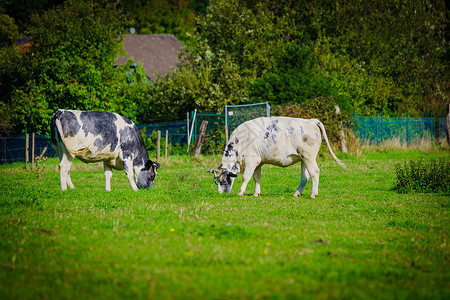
(375, 130)
(12, 148)
(370, 129)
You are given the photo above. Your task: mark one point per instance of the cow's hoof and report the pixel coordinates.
(240, 193)
(313, 196)
(297, 194)
(256, 194)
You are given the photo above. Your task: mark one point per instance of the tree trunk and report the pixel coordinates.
(200, 139)
(448, 124)
(341, 132)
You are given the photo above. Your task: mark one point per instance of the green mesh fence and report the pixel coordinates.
(235, 115)
(379, 128)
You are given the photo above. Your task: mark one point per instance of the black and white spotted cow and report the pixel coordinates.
(279, 141)
(100, 136)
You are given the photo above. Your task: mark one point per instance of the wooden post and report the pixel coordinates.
(200, 139)
(448, 124)
(341, 131)
(158, 145)
(32, 150)
(43, 152)
(27, 149)
(167, 141)
(226, 134)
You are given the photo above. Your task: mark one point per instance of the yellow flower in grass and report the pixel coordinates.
(172, 229)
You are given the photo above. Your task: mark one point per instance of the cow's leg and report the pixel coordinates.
(257, 178)
(247, 176)
(314, 172)
(108, 176)
(304, 180)
(69, 180)
(64, 171)
(128, 167)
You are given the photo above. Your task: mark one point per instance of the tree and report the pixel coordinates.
(398, 44)
(69, 63)
(162, 17)
(9, 31)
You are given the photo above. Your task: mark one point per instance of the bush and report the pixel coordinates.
(423, 177)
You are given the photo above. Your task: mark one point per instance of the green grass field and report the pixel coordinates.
(182, 240)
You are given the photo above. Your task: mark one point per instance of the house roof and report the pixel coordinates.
(157, 53)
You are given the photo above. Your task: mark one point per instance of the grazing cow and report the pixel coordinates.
(278, 141)
(94, 136)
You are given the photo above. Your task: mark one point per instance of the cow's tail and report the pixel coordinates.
(55, 128)
(325, 137)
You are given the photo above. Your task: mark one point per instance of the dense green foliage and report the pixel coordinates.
(366, 56)
(420, 176)
(69, 64)
(359, 239)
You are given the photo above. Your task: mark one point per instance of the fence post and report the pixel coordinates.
(341, 131)
(27, 143)
(167, 141)
(187, 139)
(407, 128)
(200, 139)
(381, 125)
(32, 150)
(226, 124)
(226, 134)
(376, 121)
(447, 124)
(432, 125)
(158, 145)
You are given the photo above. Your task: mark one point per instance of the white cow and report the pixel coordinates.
(94, 136)
(279, 141)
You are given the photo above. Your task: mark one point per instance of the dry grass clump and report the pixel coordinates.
(396, 144)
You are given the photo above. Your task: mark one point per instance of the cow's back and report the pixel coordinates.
(276, 138)
(88, 135)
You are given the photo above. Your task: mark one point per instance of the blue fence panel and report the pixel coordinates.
(12, 148)
(368, 129)
(406, 129)
(177, 131)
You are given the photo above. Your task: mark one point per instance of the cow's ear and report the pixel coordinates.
(217, 172)
(148, 164)
(156, 165)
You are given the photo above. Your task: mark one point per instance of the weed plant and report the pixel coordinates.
(423, 176)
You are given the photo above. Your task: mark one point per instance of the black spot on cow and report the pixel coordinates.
(236, 141)
(229, 149)
(102, 124)
(290, 130)
(272, 129)
(69, 123)
(273, 126)
(305, 139)
(132, 144)
(302, 132)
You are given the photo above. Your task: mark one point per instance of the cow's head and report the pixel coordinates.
(224, 179)
(147, 174)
